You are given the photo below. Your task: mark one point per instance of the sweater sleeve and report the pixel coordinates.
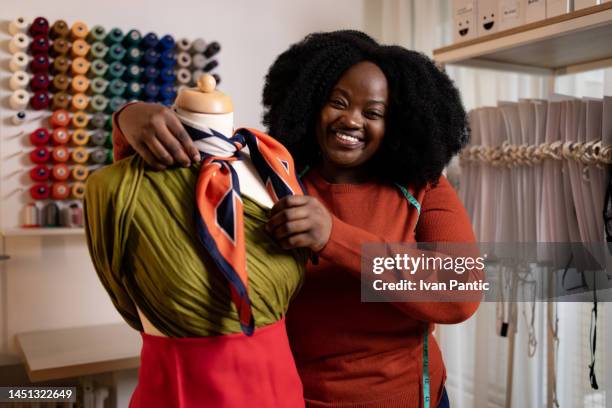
(121, 147)
(442, 219)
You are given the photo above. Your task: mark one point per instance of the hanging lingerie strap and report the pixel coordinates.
(219, 211)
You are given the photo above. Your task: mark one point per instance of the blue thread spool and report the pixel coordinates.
(167, 59)
(116, 87)
(166, 42)
(99, 68)
(115, 70)
(167, 92)
(115, 36)
(133, 72)
(167, 75)
(115, 103)
(133, 90)
(151, 90)
(98, 103)
(116, 52)
(134, 55)
(132, 38)
(97, 33)
(149, 41)
(151, 73)
(98, 85)
(151, 56)
(98, 50)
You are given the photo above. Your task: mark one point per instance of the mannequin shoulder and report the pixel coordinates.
(105, 182)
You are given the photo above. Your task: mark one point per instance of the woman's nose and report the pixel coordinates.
(352, 119)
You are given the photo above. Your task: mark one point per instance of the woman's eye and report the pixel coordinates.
(337, 103)
(374, 115)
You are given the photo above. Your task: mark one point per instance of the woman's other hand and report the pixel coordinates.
(156, 133)
(300, 221)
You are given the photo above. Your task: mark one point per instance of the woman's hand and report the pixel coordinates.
(300, 222)
(157, 135)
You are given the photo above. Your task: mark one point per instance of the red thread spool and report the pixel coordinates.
(40, 191)
(40, 44)
(60, 136)
(60, 118)
(60, 172)
(40, 173)
(60, 191)
(40, 62)
(40, 26)
(60, 154)
(40, 137)
(40, 81)
(40, 155)
(40, 100)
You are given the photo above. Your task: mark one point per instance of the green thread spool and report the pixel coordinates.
(98, 85)
(132, 38)
(134, 89)
(133, 72)
(134, 54)
(97, 33)
(99, 68)
(98, 50)
(115, 70)
(115, 103)
(115, 36)
(116, 52)
(116, 87)
(98, 103)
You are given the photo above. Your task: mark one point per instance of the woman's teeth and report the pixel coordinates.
(347, 137)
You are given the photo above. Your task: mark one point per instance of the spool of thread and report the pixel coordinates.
(41, 100)
(80, 120)
(98, 120)
(40, 25)
(116, 52)
(183, 60)
(65, 218)
(151, 90)
(99, 85)
(99, 156)
(134, 55)
(79, 102)
(40, 155)
(108, 125)
(198, 46)
(212, 49)
(80, 66)
(167, 102)
(19, 80)
(80, 137)
(60, 154)
(40, 173)
(196, 74)
(76, 215)
(98, 50)
(183, 45)
(167, 75)
(59, 29)
(99, 68)
(133, 90)
(61, 65)
(61, 83)
(51, 215)
(78, 190)
(97, 33)
(151, 73)
(80, 48)
(211, 65)
(80, 84)
(19, 118)
(60, 47)
(167, 92)
(60, 172)
(32, 216)
(60, 191)
(183, 76)
(19, 43)
(19, 99)
(115, 103)
(80, 173)
(98, 137)
(60, 118)
(40, 191)
(18, 25)
(167, 59)
(132, 73)
(40, 137)
(19, 62)
(60, 136)
(132, 38)
(79, 31)
(61, 100)
(116, 70)
(80, 155)
(110, 158)
(166, 42)
(116, 87)
(40, 44)
(151, 56)
(98, 103)
(114, 36)
(149, 41)
(40, 63)
(198, 61)
(40, 81)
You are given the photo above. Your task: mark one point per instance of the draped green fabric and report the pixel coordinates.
(141, 234)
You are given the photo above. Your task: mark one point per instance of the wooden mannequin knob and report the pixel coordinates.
(206, 83)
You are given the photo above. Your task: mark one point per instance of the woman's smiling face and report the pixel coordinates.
(351, 125)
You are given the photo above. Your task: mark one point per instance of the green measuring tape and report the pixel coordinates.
(426, 392)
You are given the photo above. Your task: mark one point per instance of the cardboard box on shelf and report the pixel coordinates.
(558, 7)
(465, 20)
(488, 17)
(511, 14)
(580, 4)
(535, 10)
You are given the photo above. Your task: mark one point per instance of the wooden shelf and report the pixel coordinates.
(68, 353)
(40, 232)
(570, 43)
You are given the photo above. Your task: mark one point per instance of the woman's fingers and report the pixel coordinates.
(170, 143)
(159, 151)
(148, 156)
(296, 241)
(291, 228)
(287, 215)
(178, 130)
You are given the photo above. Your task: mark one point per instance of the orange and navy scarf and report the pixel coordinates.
(219, 212)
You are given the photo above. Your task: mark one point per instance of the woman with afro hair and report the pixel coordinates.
(370, 128)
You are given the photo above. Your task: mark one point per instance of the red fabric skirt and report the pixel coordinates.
(227, 371)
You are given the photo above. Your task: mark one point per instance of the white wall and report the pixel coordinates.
(49, 281)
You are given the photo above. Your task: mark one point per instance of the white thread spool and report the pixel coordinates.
(198, 61)
(19, 118)
(183, 76)
(183, 60)
(19, 80)
(19, 99)
(19, 43)
(196, 74)
(32, 216)
(19, 62)
(183, 44)
(198, 46)
(19, 25)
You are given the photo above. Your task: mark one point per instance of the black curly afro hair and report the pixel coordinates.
(426, 124)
